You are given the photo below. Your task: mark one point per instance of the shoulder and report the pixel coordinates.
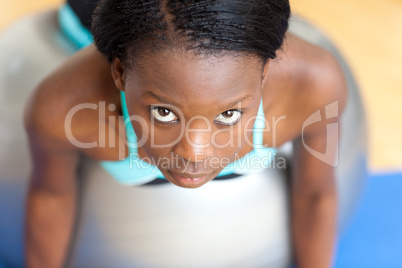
(323, 85)
(316, 72)
(303, 79)
(77, 84)
(319, 91)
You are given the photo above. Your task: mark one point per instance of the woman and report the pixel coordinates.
(192, 79)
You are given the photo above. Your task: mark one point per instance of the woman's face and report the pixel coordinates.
(193, 114)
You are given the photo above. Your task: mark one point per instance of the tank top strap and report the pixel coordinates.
(259, 126)
(130, 134)
(72, 27)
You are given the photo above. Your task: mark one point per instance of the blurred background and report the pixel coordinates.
(369, 35)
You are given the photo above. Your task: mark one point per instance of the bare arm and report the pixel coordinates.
(52, 192)
(314, 208)
(50, 213)
(54, 115)
(314, 199)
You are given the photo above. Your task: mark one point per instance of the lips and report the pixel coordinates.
(190, 175)
(189, 179)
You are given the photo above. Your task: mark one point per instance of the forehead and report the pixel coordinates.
(195, 79)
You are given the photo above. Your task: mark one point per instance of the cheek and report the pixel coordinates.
(228, 138)
(160, 141)
(165, 137)
(229, 141)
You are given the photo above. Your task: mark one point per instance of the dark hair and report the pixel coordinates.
(206, 26)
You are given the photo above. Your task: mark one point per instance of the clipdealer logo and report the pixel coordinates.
(330, 156)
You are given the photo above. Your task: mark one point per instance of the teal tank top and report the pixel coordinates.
(133, 170)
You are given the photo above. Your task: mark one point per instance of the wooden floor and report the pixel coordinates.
(367, 32)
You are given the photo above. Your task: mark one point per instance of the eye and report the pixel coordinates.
(163, 115)
(230, 117)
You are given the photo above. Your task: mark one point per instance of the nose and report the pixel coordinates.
(195, 145)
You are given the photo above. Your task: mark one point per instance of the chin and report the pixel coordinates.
(192, 186)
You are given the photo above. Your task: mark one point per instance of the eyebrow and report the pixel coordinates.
(233, 103)
(223, 108)
(160, 98)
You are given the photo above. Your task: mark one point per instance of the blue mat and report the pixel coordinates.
(374, 237)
